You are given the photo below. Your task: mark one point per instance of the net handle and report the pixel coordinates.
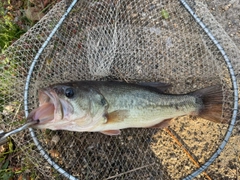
(235, 88)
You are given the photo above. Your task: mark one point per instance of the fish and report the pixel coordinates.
(109, 106)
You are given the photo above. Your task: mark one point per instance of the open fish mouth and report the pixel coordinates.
(50, 108)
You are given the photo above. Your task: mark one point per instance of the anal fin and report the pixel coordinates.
(165, 123)
(111, 132)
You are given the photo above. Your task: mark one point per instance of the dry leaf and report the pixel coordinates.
(34, 13)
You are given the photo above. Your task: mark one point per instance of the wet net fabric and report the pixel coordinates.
(132, 41)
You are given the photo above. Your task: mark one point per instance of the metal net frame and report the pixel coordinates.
(109, 34)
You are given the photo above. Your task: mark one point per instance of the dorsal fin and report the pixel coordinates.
(162, 87)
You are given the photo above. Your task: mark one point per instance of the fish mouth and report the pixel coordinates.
(51, 108)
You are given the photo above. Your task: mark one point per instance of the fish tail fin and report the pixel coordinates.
(211, 99)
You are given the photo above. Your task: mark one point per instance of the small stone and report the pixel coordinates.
(3, 148)
(90, 147)
(9, 108)
(54, 153)
(128, 7)
(2, 126)
(129, 138)
(226, 7)
(189, 81)
(55, 139)
(134, 15)
(144, 14)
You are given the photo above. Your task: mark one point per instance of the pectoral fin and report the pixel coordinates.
(117, 116)
(165, 123)
(111, 132)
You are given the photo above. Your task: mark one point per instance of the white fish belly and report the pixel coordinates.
(144, 118)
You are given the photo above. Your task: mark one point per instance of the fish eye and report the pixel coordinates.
(69, 93)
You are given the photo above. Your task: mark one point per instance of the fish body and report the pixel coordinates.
(108, 107)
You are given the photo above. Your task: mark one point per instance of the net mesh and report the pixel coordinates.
(130, 41)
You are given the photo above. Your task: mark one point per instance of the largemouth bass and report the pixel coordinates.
(107, 107)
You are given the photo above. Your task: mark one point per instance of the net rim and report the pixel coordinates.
(206, 30)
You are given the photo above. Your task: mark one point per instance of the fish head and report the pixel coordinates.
(63, 106)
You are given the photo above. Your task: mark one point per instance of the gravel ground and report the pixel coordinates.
(227, 13)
